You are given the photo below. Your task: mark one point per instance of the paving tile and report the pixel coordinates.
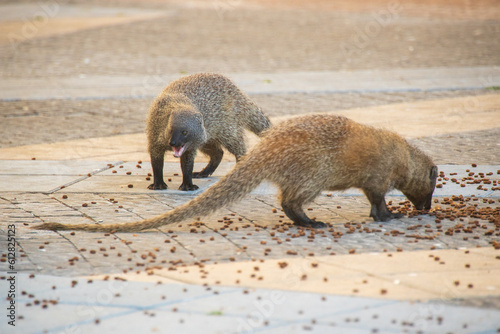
(299, 275)
(449, 188)
(406, 317)
(221, 251)
(132, 185)
(239, 284)
(270, 83)
(412, 275)
(58, 167)
(43, 206)
(92, 149)
(413, 120)
(109, 182)
(117, 305)
(39, 183)
(45, 176)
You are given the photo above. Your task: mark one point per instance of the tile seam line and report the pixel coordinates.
(154, 306)
(339, 313)
(95, 172)
(128, 310)
(489, 331)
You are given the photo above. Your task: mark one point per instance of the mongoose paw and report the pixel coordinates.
(188, 187)
(312, 223)
(200, 175)
(160, 186)
(387, 217)
(316, 224)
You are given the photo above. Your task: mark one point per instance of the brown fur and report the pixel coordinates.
(205, 112)
(304, 156)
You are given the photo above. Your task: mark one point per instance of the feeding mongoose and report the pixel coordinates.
(304, 156)
(203, 112)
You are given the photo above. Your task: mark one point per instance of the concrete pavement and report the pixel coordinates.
(61, 304)
(425, 267)
(412, 265)
(396, 80)
(245, 268)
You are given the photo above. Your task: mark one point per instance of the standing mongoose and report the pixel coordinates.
(304, 156)
(203, 112)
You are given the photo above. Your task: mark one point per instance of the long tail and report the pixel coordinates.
(254, 118)
(246, 175)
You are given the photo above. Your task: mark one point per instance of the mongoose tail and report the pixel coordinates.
(231, 188)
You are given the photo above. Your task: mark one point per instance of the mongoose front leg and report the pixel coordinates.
(187, 163)
(298, 216)
(379, 211)
(157, 165)
(215, 153)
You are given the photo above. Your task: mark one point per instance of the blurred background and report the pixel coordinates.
(50, 48)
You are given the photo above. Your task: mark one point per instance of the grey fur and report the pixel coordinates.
(205, 112)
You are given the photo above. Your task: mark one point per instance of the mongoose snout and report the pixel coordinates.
(178, 142)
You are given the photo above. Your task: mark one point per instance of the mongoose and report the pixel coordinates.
(200, 112)
(304, 156)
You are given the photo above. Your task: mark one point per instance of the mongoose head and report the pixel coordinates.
(185, 131)
(421, 187)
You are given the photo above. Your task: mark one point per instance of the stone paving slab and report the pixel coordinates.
(412, 275)
(412, 258)
(117, 177)
(46, 176)
(65, 167)
(20, 11)
(402, 42)
(431, 118)
(98, 118)
(416, 121)
(44, 183)
(254, 228)
(131, 146)
(55, 304)
(391, 80)
(254, 233)
(53, 18)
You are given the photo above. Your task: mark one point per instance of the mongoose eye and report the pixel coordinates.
(184, 132)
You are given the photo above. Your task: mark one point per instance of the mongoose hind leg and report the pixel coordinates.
(157, 165)
(297, 215)
(379, 211)
(215, 152)
(187, 163)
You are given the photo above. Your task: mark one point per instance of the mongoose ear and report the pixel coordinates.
(161, 102)
(434, 173)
